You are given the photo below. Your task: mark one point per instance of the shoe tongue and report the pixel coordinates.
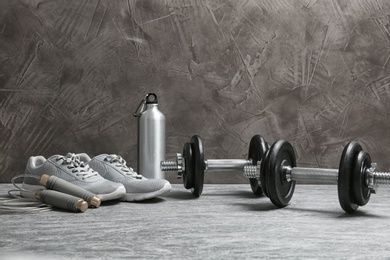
(53, 157)
(124, 169)
(74, 160)
(68, 155)
(101, 156)
(112, 157)
(69, 158)
(73, 157)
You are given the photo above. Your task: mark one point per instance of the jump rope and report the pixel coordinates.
(58, 193)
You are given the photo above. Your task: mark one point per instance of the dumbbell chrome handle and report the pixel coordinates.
(226, 164)
(320, 175)
(210, 164)
(311, 175)
(317, 175)
(300, 174)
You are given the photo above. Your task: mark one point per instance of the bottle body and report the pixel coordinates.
(151, 142)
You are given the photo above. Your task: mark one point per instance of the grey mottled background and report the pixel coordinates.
(313, 72)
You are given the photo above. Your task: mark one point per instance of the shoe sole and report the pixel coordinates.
(117, 194)
(146, 196)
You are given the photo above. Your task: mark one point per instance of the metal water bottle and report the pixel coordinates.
(151, 138)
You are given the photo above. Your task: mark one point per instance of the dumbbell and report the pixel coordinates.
(191, 165)
(356, 177)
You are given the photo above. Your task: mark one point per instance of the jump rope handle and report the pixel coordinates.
(61, 200)
(55, 183)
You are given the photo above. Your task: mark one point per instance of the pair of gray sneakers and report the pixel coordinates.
(105, 175)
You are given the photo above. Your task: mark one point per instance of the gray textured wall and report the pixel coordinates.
(313, 72)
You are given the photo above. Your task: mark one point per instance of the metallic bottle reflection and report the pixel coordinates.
(151, 138)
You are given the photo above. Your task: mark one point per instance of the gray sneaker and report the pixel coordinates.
(113, 167)
(71, 169)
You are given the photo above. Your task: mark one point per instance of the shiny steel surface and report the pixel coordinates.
(151, 142)
(226, 164)
(312, 175)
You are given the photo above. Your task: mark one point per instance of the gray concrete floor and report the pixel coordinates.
(226, 222)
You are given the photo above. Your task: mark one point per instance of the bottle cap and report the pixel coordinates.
(151, 98)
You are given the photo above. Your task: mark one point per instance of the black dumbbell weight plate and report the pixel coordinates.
(199, 165)
(263, 175)
(257, 148)
(280, 191)
(359, 188)
(346, 170)
(188, 173)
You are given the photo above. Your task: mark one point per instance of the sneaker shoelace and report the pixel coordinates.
(77, 166)
(121, 163)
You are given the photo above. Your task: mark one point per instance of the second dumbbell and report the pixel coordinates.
(191, 165)
(356, 177)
